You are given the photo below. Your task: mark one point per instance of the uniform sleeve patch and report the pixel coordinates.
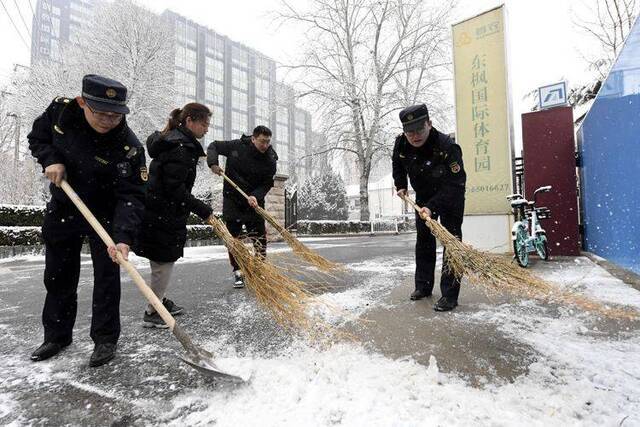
(144, 173)
(124, 169)
(455, 167)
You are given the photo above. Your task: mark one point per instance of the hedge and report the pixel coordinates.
(33, 216)
(21, 215)
(29, 236)
(20, 236)
(345, 227)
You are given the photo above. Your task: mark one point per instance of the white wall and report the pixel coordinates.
(490, 233)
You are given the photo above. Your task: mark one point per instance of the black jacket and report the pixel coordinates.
(108, 171)
(250, 169)
(169, 201)
(436, 172)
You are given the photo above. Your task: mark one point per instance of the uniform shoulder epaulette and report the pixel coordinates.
(62, 100)
(445, 141)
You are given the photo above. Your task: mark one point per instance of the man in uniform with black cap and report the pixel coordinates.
(87, 141)
(434, 165)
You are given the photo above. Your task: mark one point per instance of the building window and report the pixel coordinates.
(181, 55)
(262, 88)
(239, 100)
(79, 11)
(283, 151)
(215, 45)
(239, 57)
(55, 50)
(218, 116)
(301, 118)
(282, 167)
(263, 67)
(55, 27)
(191, 60)
(282, 114)
(239, 122)
(214, 68)
(185, 84)
(239, 78)
(262, 111)
(181, 32)
(282, 133)
(301, 139)
(192, 34)
(186, 58)
(214, 92)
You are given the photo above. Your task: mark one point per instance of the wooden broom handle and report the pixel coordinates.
(407, 199)
(137, 278)
(222, 174)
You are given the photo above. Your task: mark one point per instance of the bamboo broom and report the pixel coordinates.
(496, 274)
(285, 298)
(296, 245)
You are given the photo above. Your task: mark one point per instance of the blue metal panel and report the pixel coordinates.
(610, 148)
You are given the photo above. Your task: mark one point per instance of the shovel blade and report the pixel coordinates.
(209, 368)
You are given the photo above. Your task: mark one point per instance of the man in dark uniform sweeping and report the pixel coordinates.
(434, 165)
(251, 164)
(86, 141)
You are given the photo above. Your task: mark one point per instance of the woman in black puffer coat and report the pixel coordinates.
(176, 152)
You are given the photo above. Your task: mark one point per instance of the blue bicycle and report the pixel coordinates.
(527, 234)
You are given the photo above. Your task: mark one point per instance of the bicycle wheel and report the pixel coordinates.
(520, 247)
(541, 247)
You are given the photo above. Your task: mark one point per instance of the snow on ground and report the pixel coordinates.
(581, 376)
(586, 370)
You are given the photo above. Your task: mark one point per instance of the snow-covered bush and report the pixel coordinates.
(21, 215)
(333, 227)
(20, 236)
(323, 198)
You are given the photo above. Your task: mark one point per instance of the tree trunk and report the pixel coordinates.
(364, 193)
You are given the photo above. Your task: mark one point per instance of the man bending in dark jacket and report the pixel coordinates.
(251, 164)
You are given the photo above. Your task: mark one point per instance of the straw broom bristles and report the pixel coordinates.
(296, 245)
(285, 298)
(496, 274)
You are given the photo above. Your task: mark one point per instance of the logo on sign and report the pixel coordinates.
(552, 95)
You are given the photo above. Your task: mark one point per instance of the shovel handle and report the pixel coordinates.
(137, 278)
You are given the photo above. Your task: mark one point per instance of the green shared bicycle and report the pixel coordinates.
(527, 234)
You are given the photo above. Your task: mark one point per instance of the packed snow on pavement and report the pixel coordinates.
(579, 370)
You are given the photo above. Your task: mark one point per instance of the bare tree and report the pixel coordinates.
(365, 60)
(608, 22)
(123, 41)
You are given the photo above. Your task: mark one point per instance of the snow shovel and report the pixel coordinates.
(296, 245)
(196, 357)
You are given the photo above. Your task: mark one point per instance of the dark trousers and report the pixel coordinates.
(61, 274)
(426, 258)
(255, 230)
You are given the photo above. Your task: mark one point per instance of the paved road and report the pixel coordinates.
(134, 387)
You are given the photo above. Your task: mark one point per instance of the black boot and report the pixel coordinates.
(445, 304)
(102, 353)
(419, 294)
(47, 350)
